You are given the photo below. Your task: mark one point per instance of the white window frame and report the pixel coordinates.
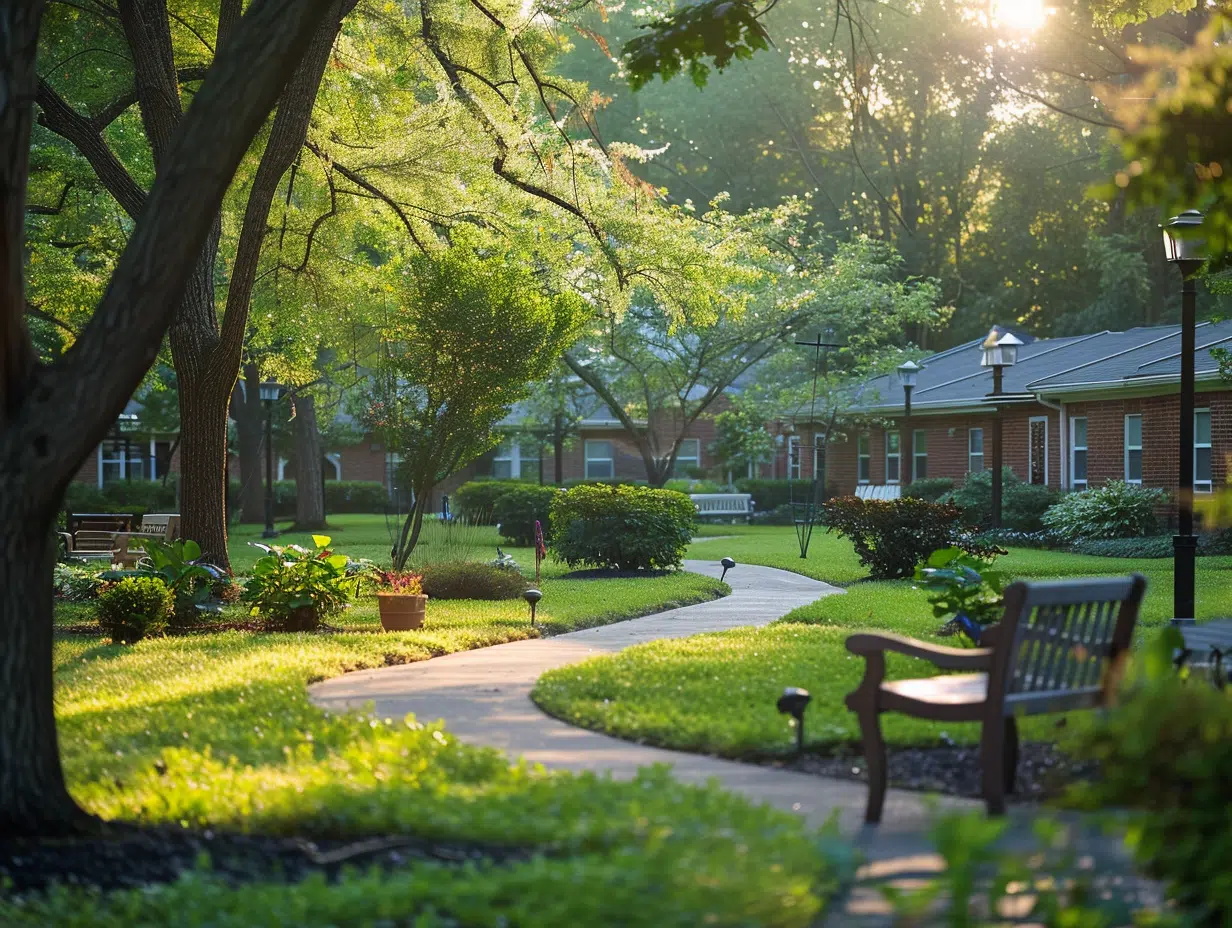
(864, 458)
(1136, 481)
(819, 443)
(1031, 449)
(392, 460)
(1074, 482)
(683, 460)
(587, 458)
(971, 455)
(917, 454)
(898, 455)
(125, 456)
(793, 457)
(1203, 486)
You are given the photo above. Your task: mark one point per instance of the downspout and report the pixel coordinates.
(1064, 427)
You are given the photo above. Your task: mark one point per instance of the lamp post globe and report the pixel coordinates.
(1185, 247)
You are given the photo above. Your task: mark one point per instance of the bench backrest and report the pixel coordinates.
(724, 503)
(87, 540)
(886, 492)
(1059, 642)
(165, 524)
(98, 522)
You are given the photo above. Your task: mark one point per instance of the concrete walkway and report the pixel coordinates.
(483, 696)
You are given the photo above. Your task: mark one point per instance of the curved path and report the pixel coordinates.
(483, 696)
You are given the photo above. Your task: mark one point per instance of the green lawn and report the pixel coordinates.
(716, 693)
(215, 730)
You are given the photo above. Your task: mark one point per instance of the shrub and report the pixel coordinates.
(135, 496)
(630, 528)
(344, 496)
(961, 586)
(294, 588)
(134, 607)
(190, 579)
(605, 482)
(1022, 504)
(460, 580)
(1115, 510)
(930, 489)
(1165, 751)
(77, 584)
(892, 536)
(1156, 546)
(688, 485)
(770, 494)
(1012, 538)
(476, 501)
(519, 507)
(779, 515)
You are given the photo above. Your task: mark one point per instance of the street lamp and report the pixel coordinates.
(270, 393)
(908, 373)
(1000, 352)
(1184, 247)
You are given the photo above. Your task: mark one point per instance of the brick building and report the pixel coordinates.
(1076, 412)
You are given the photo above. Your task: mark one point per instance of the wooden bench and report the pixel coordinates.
(723, 505)
(1056, 649)
(887, 492)
(92, 535)
(161, 526)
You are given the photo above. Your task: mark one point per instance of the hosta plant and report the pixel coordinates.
(190, 579)
(294, 589)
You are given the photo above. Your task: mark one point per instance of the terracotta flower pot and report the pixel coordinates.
(401, 612)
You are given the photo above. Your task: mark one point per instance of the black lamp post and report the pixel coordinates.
(1000, 352)
(1184, 247)
(908, 371)
(270, 394)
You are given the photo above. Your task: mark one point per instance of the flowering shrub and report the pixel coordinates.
(294, 588)
(396, 581)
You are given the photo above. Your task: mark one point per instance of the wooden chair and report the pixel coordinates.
(1055, 650)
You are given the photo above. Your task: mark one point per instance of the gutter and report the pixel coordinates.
(1064, 429)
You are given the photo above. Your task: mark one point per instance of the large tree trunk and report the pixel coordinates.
(309, 473)
(246, 411)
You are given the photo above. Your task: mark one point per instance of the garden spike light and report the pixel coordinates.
(532, 597)
(727, 564)
(793, 702)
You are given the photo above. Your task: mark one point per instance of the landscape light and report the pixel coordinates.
(532, 597)
(728, 564)
(793, 702)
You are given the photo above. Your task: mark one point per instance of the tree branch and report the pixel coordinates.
(110, 112)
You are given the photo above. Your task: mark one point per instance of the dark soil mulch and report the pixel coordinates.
(611, 573)
(1043, 769)
(132, 857)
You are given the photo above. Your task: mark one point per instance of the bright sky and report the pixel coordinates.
(1020, 15)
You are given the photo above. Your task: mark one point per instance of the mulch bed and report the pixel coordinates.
(130, 857)
(1043, 769)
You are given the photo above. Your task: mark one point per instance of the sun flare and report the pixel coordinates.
(1019, 15)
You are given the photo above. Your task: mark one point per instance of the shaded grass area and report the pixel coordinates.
(716, 693)
(215, 731)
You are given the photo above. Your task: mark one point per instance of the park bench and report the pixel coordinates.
(888, 492)
(92, 535)
(1056, 649)
(161, 526)
(723, 505)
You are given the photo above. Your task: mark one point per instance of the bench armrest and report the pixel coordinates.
(869, 644)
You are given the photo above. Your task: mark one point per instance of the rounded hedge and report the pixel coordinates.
(134, 608)
(625, 527)
(519, 507)
(1115, 510)
(468, 580)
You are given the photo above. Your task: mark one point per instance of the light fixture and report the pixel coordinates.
(727, 564)
(1181, 240)
(270, 391)
(908, 372)
(793, 702)
(532, 597)
(1001, 350)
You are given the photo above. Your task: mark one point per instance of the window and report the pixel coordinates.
(975, 450)
(919, 454)
(793, 457)
(119, 460)
(514, 461)
(503, 462)
(1202, 450)
(1133, 448)
(688, 457)
(864, 459)
(600, 465)
(1078, 453)
(893, 457)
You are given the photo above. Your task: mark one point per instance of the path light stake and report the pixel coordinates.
(793, 702)
(728, 564)
(541, 549)
(532, 596)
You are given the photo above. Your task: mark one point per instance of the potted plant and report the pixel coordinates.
(402, 600)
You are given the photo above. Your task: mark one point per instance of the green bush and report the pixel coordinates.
(779, 515)
(689, 485)
(1022, 504)
(930, 489)
(1012, 538)
(190, 579)
(476, 501)
(135, 496)
(77, 583)
(463, 580)
(519, 507)
(630, 528)
(346, 496)
(1155, 546)
(1165, 751)
(1115, 510)
(891, 537)
(134, 608)
(608, 482)
(293, 588)
(770, 494)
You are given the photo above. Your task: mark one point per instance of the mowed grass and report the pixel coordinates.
(716, 693)
(216, 731)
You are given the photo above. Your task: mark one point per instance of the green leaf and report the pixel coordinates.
(321, 541)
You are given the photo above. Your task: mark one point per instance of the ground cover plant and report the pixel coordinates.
(716, 693)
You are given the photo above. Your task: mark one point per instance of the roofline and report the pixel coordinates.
(1115, 354)
(1125, 383)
